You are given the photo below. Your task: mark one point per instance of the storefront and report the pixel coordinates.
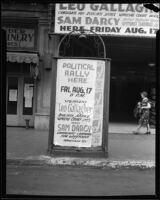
(30, 51)
(20, 91)
(22, 60)
(23, 63)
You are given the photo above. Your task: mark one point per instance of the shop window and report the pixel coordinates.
(22, 68)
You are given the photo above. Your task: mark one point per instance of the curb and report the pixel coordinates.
(43, 160)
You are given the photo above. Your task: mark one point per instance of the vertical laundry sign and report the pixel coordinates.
(76, 96)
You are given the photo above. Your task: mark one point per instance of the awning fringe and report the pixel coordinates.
(22, 57)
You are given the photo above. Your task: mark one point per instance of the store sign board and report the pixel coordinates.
(20, 37)
(79, 103)
(107, 19)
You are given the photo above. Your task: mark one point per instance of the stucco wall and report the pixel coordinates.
(47, 46)
(41, 121)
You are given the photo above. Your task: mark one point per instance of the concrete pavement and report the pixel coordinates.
(30, 146)
(126, 128)
(78, 181)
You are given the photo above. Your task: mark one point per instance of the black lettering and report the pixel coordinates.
(12, 37)
(71, 6)
(104, 7)
(139, 8)
(128, 30)
(60, 19)
(24, 37)
(80, 6)
(130, 8)
(98, 29)
(120, 8)
(22, 31)
(75, 28)
(112, 7)
(63, 28)
(76, 21)
(94, 7)
(30, 36)
(62, 7)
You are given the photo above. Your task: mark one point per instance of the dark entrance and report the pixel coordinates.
(131, 71)
(20, 95)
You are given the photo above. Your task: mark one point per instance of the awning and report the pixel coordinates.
(22, 57)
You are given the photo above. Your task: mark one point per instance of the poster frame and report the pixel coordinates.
(100, 151)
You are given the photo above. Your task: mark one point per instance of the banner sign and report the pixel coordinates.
(20, 37)
(79, 103)
(107, 19)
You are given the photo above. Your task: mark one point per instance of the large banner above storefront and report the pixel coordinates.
(107, 19)
(79, 102)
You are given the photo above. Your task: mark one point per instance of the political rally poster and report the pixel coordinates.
(77, 98)
(107, 19)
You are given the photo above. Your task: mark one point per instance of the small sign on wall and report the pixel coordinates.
(28, 95)
(12, 95)
(20, 37)
(28, 103)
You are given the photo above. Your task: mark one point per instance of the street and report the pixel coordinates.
(78, 181)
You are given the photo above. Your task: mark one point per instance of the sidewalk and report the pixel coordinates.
(126, 128)
(30, 146)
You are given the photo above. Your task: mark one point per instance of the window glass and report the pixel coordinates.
(12, 95)
(18, 68)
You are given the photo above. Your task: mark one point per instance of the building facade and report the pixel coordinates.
(28, 80)
(29, 65)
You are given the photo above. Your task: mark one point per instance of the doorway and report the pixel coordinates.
(20, 100)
